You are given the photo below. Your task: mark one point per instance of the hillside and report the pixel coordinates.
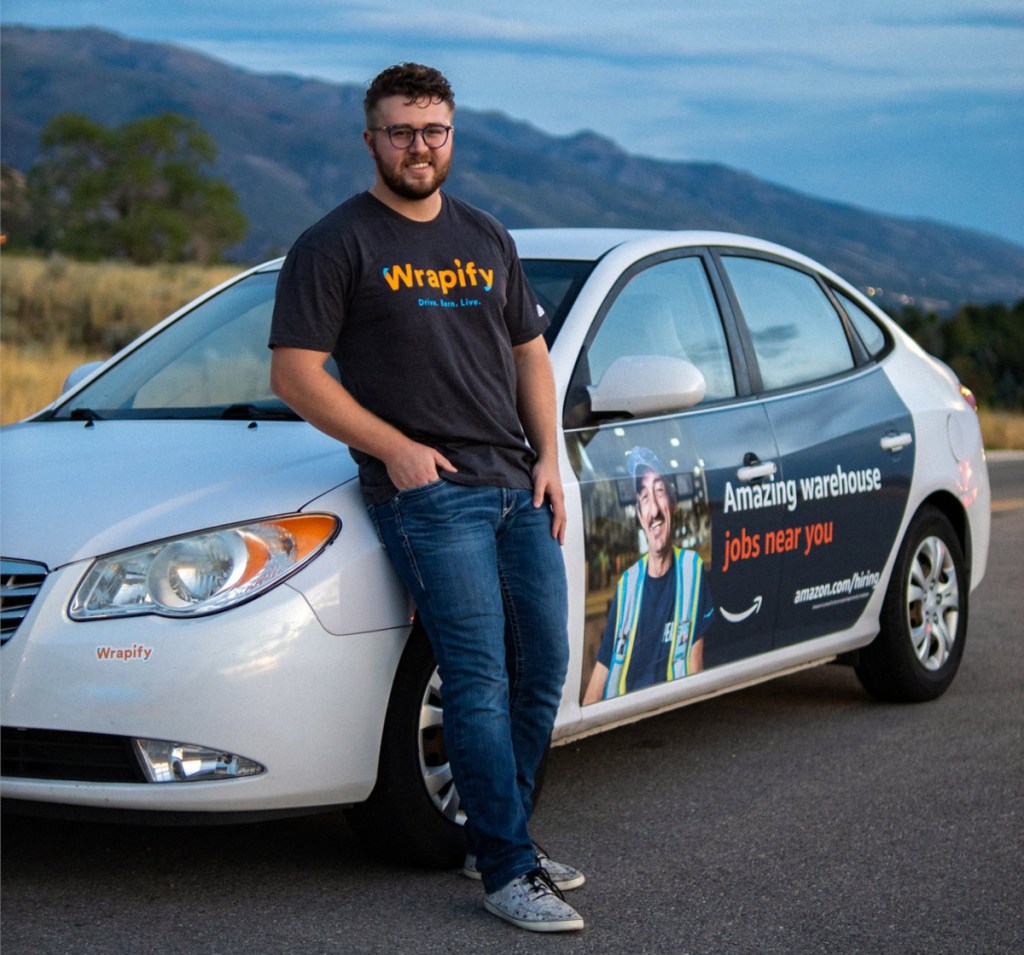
(292, 149)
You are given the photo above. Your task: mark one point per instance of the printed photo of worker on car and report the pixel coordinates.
(649, 601)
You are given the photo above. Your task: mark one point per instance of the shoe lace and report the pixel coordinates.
(541, 884)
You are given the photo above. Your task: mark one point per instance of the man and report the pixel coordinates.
(447, 403)
(662, 606)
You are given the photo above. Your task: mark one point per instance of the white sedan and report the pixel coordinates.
(198, 618)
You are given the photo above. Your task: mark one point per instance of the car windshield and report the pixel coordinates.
(214, 362)
(556, 283)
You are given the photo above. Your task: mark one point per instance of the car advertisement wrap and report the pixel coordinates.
(715, 536)
(852, 482)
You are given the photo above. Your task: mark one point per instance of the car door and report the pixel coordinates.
(844, 436)
(673, 583)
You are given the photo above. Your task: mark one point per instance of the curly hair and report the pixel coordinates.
(412, 80)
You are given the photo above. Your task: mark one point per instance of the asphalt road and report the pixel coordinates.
(795, 817)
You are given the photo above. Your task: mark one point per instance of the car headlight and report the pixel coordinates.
(203, 572)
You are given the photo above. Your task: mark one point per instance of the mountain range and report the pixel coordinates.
(292, 149)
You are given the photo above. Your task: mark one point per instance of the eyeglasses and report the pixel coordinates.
(402, 137)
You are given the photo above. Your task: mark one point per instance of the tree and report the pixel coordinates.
(137, 191)
(983, 344)
(15, 203)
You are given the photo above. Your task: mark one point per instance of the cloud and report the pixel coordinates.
(975, 19)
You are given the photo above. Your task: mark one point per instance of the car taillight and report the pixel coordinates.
(969, 397)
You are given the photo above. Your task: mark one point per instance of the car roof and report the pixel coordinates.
(587, 244)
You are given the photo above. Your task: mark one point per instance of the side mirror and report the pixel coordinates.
(79, 375)
(641, 385)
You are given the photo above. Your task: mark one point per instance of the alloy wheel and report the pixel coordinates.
(933, 602)
(434, 764)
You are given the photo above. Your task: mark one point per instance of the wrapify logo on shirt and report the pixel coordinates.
(444, 280)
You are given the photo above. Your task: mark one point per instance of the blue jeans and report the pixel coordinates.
(489, 585)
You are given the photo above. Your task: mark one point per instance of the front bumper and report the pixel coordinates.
(264, 681)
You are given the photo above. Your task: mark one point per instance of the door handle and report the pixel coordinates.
(755, 470)
(896, 442)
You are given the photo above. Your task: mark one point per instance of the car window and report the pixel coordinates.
(556, 283)
(870, 333)
(796, 333)
(212, 361)
(666, 309)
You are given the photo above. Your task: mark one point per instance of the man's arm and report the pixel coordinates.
(695, 660)
(535, 399)
(595, 686)
(298, 377)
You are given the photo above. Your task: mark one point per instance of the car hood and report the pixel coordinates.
(72, 491)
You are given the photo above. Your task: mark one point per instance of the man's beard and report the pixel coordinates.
(394, 181)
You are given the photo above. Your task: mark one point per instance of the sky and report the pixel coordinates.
(908, 107)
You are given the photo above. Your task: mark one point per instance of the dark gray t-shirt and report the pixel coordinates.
(421, 318)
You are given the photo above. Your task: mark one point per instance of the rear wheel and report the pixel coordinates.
(924, 617)
(414, 813)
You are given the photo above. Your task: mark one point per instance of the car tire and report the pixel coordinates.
(413, 814)
(918, 650)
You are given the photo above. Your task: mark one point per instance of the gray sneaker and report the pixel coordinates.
(564, 876)
(531, 901)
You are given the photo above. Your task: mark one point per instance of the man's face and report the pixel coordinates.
(654, 508)
(417, 172)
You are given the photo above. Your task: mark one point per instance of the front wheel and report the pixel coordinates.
(413, 814)
(924, 617)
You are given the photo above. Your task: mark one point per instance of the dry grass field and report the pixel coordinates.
(31, 376)
(1002, 430)
(58, 314)
(93, 304)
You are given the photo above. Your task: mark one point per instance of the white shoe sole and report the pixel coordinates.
(532, 925)
(571, 883)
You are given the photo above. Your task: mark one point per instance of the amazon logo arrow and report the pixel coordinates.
(749, 612)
